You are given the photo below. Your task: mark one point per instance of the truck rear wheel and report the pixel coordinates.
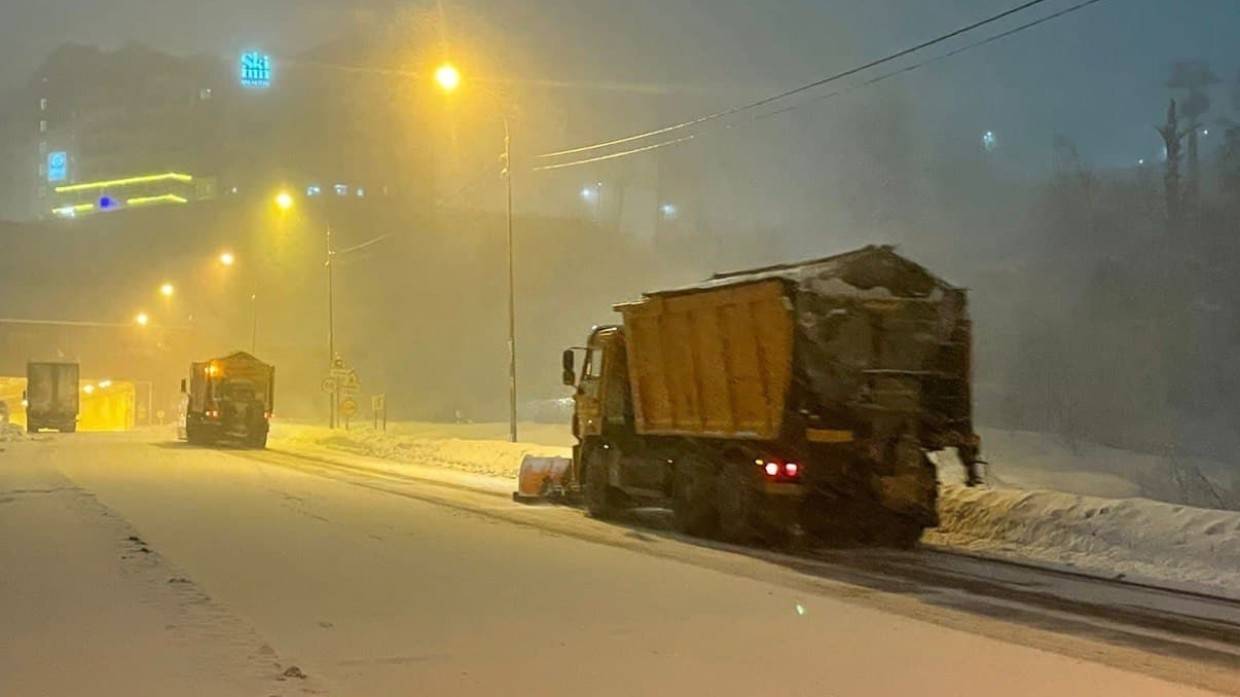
(693, 501)
(599, 497)
(739, 502)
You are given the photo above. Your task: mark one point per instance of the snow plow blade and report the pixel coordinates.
(543, 479)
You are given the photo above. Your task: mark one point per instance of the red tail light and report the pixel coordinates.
(213, 414)
(773, 469)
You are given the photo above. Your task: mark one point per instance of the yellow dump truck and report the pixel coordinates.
(229, 398)
(797, 397)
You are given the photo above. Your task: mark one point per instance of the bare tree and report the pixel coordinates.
(1172, 138)
(1195, 78)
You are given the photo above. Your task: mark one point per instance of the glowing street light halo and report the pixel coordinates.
(284, 200)
(167, 290)
(227, 258)
(448, 77)
(142, 319)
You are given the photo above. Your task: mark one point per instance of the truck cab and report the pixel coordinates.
(601, 400)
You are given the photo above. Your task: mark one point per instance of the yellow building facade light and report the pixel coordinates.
(126, 181)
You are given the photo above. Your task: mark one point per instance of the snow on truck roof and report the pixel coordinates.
(872, 271)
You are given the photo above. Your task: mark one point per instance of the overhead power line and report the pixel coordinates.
(812, 85)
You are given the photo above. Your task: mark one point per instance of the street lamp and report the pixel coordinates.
(167, 290)
(142, 319)
(449, 79)
(227, 258)
(284, 200)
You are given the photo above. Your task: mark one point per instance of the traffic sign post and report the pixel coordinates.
(340, 382)
(378, 404)
(347, 407)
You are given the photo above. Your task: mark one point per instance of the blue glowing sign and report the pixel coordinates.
(255, 69)
(106, 202)
(57, 166)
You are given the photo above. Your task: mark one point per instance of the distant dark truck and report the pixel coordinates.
(229, 398)
(51, 396)
(797, 395)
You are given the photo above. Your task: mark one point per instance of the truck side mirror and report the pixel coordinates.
(569, 375)
(183, 390)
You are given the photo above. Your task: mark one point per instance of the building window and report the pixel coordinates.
(42, 125)
(43, 104)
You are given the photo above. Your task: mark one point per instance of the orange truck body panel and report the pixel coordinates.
(712, 362)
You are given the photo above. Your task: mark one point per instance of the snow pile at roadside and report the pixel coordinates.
(11, 432)
(496, 458)
(1134, 539)
(1027, 460)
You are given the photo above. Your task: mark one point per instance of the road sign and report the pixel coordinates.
(57, 166)
(348, 407)
(346, 378)
(329, 384)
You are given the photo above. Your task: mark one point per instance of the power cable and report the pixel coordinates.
(803, 88)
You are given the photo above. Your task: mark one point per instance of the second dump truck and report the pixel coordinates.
(229, 398)
(804, 396)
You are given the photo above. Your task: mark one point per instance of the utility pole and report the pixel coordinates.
(254, 325)
(512, 305)
(331, 328)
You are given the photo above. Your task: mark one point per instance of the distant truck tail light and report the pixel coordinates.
(773, 469)
(213, 414)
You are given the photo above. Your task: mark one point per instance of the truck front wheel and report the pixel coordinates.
(600, 500)
(694, 498)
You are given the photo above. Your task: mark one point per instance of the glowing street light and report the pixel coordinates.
(105, 384)
(142, 319)
(448, 77)
(284, 200)
(227, 258)
(167, 290)
(88, 389)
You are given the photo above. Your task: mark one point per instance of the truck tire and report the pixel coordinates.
(738, 501)
(693, 498)
(599, 497)
(31, 427)
(257, 439)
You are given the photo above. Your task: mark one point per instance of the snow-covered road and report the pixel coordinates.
(377, 582)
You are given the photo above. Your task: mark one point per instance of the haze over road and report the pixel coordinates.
(257, 562)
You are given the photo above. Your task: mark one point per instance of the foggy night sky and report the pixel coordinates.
(1095, 75)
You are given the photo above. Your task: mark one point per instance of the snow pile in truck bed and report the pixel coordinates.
(1134, 539)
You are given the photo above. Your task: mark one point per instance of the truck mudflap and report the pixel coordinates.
(543, 478)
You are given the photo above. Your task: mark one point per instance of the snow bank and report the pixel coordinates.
(10, 432)
(1135, 539)
(1027, 460)
(408, 444)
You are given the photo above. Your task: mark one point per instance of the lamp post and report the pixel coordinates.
(285, 202)
(449, 79)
